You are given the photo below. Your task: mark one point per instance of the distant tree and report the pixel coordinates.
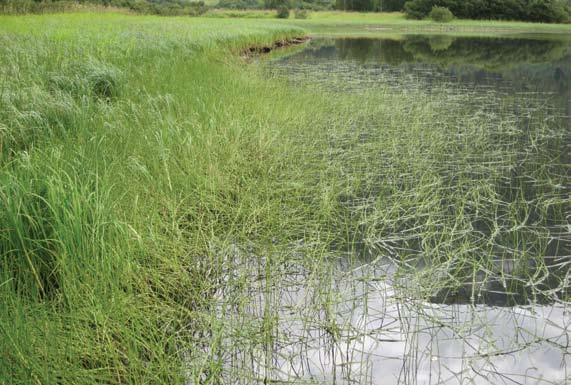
(275, 4)
(357, 5)
(549, 11)
(391, 5)
(441, 14)
(370, 5)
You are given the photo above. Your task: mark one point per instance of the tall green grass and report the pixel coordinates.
(130, 148)
(135, 150)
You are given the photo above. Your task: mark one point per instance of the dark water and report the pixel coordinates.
(360, 321)
(519, 64)
(526, 66)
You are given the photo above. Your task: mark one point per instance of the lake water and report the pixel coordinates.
(519, 65)
(367, 321)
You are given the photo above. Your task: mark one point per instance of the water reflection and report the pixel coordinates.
(358, 326)
(524, 64)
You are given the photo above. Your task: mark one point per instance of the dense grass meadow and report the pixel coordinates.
(134, 149)
(150, 171)
(344, 23)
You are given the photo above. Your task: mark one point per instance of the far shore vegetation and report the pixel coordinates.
(535, 11)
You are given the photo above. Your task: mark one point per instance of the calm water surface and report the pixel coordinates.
(505, 334)
(517, 65)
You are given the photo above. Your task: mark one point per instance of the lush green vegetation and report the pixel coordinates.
(140, 164)
(159, 7)
(551, 11)
(372, 23)
(125, 170)
(547, 11)
(370, 5)
(441, 14)
(525, 10)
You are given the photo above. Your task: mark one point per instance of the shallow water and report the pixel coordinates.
(358, 326)
(523, 80)
(392, 306)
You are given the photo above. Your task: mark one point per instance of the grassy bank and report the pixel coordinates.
(154, 186)
(133, 150)
(344, 23)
